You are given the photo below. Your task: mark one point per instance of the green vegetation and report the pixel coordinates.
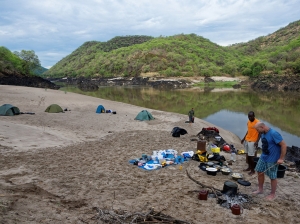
(217, 84)
(24, 62)
(184, 55)
(179, 55)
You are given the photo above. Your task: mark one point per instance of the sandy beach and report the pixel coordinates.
(55, 167)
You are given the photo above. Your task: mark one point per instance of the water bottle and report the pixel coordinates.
(233, 156)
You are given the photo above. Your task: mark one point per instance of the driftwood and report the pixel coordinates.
(203, 185)
(122, 217)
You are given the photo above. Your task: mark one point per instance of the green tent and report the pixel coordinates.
(54, 108)
(9, 110)
(144, 115)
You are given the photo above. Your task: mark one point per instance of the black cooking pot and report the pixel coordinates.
(211, 171)
(230, 188)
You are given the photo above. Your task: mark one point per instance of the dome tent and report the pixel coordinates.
(9, 110)
(144, 115)
(54, 108)
(100, 109)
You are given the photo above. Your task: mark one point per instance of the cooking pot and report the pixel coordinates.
(210, 164)
(203, 195)
(225, 171)
(211, 171)
(230, 188)
(236, 209)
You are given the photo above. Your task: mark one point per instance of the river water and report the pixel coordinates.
(227, 108)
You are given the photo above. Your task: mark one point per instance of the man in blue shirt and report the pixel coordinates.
(273, 152)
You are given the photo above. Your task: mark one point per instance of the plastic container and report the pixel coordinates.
(281, 170)
(233, 156)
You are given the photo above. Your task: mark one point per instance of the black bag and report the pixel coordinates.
(176, 132)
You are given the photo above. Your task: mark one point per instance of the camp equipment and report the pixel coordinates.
(215, 149)
(210, 164)
(203, 195)
(236, 209)
(9, 110)
(244, 182)
(281, 170)
(54, 108)
(230, 188)
(100, 109)
(218, 138)
(201, 145)
(144, 115)
(225, 171)
(226, 148)
(237, 176)
(211, 171)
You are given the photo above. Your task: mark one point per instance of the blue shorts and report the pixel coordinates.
(270, 168)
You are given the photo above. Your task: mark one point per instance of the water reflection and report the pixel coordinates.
(227, 108)
(237, 123)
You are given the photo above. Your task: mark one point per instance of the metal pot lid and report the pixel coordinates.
(244, 182)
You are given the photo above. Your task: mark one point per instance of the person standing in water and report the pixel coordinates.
(250, 142)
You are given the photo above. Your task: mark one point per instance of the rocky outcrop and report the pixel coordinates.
(17, 79)
(277, 83)
(86, 84)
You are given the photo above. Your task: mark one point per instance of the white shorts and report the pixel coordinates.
(249, 148)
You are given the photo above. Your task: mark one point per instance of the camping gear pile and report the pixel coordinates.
(160, 159)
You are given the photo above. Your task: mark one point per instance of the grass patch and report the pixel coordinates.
(217, 84)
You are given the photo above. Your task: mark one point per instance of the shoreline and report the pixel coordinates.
(54, 168)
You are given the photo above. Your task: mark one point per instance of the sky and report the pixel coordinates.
(55, 28)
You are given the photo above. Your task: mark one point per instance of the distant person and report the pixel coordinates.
(250, 142)
(191, 115)
(273, 153)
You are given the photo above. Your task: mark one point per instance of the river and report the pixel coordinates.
(227, 108)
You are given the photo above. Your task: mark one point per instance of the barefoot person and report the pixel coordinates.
(250, 142)
(273, 152)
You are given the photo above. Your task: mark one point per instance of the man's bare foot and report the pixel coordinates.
(270, 197)
(257, 192)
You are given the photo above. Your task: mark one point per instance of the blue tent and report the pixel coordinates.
(100, 109)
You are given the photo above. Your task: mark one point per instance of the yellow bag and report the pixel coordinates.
(215, 150)
(241, 151)
(202, 158)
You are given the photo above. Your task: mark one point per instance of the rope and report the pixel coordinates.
(277, 183)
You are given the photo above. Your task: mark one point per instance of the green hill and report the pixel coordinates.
(184, 55)
(177, 55)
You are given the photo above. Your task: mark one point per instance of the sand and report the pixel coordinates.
(54, 168)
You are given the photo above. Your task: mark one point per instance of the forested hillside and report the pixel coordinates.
(277, 53)
(179, 55)
(184, 55)
(15, 71)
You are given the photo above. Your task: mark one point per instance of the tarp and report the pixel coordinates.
(54, 108)
(100, 109)
(9, 110)
(144, 115)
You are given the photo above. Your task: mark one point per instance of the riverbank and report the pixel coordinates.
(55, 168)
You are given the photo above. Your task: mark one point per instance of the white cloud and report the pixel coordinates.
(63, 25)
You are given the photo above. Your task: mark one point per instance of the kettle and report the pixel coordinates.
(203, 195)
(236, 209)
